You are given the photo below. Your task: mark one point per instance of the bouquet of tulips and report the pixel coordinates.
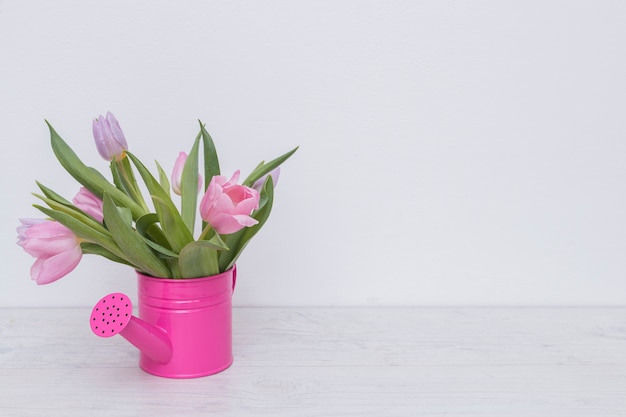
(114, 220)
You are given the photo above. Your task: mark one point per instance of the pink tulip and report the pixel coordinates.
(177, 174)
(110, 139)
(56, 248)
(227, 206)
(89, 203)
(275, 174)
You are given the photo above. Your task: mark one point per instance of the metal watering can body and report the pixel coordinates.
(184, 328)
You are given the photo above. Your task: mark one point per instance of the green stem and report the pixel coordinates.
(132, 186)
(205, 232)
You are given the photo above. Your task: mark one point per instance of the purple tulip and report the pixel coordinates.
(89, 203)
(227, 206)
(109, 137)
(56, 248)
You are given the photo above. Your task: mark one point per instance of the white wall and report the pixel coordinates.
(451, 152)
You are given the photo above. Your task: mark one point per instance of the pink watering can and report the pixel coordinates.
(184, 329)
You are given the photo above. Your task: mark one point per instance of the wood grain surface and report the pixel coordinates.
(332, 362)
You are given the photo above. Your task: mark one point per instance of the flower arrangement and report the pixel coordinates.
(113, 219)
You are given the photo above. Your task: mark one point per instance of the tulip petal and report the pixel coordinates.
(46, 239)
(48, 247)
(177, 172)
(27, 222)
(226, 224)
(89, 203)
(248, 205)
(98, 136)
(47, 229)
(22, 228)
(233, 180)
(227, 206)
(116, 131)
(245, 220)
(47, 270)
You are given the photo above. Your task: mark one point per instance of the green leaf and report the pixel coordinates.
(173, 226)
(124, 178)
(265, 168)
(130, 242)
(147, 226)
(52, 195)
(126, 216)
(117, 178)
(95, 249)
(238, 241)
(145, 222)
(189, 187)
(126, 170)
(163, 180)
(216, 242)
(211, 162)
(198, 259)
(83, 231)
(173, 263)
(89, 177)
(74, 212)
(162, 252)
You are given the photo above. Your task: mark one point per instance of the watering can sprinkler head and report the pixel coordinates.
(113, 314)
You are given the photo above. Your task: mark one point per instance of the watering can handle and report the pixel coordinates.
(234, 277)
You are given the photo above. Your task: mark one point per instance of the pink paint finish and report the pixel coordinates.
(184, 329)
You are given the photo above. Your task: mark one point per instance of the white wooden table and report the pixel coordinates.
(332, 362)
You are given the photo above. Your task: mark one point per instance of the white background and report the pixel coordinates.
(452, 153)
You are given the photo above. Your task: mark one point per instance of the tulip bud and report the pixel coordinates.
(109, 137)
(177, 174)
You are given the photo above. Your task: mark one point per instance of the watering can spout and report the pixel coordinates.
(113, 315)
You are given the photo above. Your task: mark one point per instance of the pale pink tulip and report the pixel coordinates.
(275, 174)
(56, 248)
(89, 203)
(110, 139)
(227, 206)
(177, 174)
